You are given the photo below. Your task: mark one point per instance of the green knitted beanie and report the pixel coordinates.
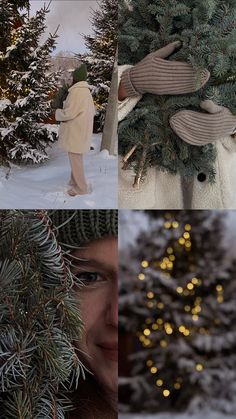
(76, 227)
(80, 73)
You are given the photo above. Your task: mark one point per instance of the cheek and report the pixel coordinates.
(92, 314)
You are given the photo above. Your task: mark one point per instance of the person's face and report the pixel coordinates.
(99, 308)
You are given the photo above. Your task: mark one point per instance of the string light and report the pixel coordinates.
(159, 382)
(166, 393)
(193, 308)
(199, 367)
(147, 332)
(163, 343)
(145, 263)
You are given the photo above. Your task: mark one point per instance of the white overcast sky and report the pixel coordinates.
(74, 19)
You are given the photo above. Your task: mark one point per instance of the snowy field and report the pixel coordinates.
(200, 415)
(45, 185)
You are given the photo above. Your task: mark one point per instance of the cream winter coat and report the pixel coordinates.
(164, 191)
(76, 119)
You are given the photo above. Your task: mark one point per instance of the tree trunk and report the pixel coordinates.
(109, 137)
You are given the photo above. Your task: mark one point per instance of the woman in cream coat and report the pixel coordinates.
(76, 128)
(162, 190)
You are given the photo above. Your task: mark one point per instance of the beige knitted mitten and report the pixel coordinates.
(155, 75)
(201, 128)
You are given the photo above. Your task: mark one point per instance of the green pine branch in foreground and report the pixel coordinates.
(39, 319)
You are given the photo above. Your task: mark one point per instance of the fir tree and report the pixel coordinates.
(100, 59)
(207, 30)
(26, 84)
(39, 319)
(177, 297)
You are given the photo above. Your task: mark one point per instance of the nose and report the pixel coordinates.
(112, 306)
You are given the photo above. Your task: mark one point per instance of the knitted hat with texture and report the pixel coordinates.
(76, 227)
(80, 73)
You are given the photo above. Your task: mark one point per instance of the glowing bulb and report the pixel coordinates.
(175, 224)
(199, 367)
(220, 299)
(188, 244)
(219, 288)
(149, 363)
(186, 235)
(144, 263)
(181, 240)
(166, 393)
(147, 332)
(177, 386)
(167, 224)
(153, 370)
(159, 382)
(195, 281)
(163, 265)
(182, 329)
(141, 277)
(169, 250)
(187, 227)
(179, 290)
(150, 294)
(190, 286)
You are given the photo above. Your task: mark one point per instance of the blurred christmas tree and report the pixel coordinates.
(26, 84)
(39, 319)
(100, 59)
(207, 30)
(180, 301)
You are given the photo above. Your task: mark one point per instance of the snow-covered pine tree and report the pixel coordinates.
(26, 83)
(39, 320)
(207, 30)
(101, 56)
(181, 307)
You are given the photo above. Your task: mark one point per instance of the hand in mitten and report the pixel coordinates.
(198, 128)
(57, 102)
(155, 75)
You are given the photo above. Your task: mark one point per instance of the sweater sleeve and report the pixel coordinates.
(71, 108)
(127, 105)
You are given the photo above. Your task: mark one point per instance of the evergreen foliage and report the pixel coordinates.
(101, 56)
(26, 84)
(39, 320)
(178, 300)
(207, 30)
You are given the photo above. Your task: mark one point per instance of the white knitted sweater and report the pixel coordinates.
(163, 190)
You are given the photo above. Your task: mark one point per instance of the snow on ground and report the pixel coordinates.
(44, 186)
(200, 415)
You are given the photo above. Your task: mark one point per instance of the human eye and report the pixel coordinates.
(89, 278)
